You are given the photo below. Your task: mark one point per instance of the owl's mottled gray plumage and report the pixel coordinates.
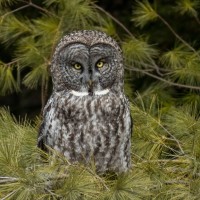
(87, 117)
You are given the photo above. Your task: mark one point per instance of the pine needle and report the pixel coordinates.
(143, 13)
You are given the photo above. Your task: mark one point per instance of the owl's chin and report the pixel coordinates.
(97, 93)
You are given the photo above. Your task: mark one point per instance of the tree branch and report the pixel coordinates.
(8, 195)
(28, 4)
(114, 19)
(164, 80)
(40, 8)
(177, 36)
(13, 11)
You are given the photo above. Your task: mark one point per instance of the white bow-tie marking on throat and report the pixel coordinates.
(81, 94)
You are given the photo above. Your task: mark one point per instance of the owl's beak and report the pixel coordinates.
(90, 83)
(90, 87)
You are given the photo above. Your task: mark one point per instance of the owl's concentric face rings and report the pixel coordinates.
(82, 65)
(87, 61)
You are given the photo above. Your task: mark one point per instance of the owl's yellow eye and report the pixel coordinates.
(77, 66)
(100, 64)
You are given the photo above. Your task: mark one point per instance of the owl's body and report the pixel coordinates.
(87, 117)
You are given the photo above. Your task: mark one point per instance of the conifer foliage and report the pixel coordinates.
(162, 80)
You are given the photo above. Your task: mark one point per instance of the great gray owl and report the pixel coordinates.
(87, 117)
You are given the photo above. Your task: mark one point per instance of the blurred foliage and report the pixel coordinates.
(158, 58)
(160, 41)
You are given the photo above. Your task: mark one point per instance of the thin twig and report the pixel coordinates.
(164, 80)
(177, 36)
(172, 182)
(172, 136)
(153, 66)
(52, 193)
(166, 161)
(28, 4)
(10, 63)
(168, 147)
(8, 195)
(114, 19)
(13, 11)
(99, 178)
(42, 9)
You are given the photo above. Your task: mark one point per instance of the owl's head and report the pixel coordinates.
(87, 63)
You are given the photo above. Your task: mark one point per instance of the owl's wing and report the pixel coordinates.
(132, 123)
(127, 105)
(41, 141)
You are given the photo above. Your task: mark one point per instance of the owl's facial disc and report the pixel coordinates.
(90, 70)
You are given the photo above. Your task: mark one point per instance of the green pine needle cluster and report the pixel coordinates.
(165, 160)
(188, 7)
(144, 13)
(138, 53)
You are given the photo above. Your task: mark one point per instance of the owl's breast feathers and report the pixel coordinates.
(86, 128)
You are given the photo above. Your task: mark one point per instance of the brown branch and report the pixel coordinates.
(28, 4)
(179, 161)
(170, 134)
(42, 9)
(153, 66)
(173, 137)
(164, 80)
(13, 11)
(172, 182)
(114, 19)
(177, 36)
(8, 195)
(11, 63)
